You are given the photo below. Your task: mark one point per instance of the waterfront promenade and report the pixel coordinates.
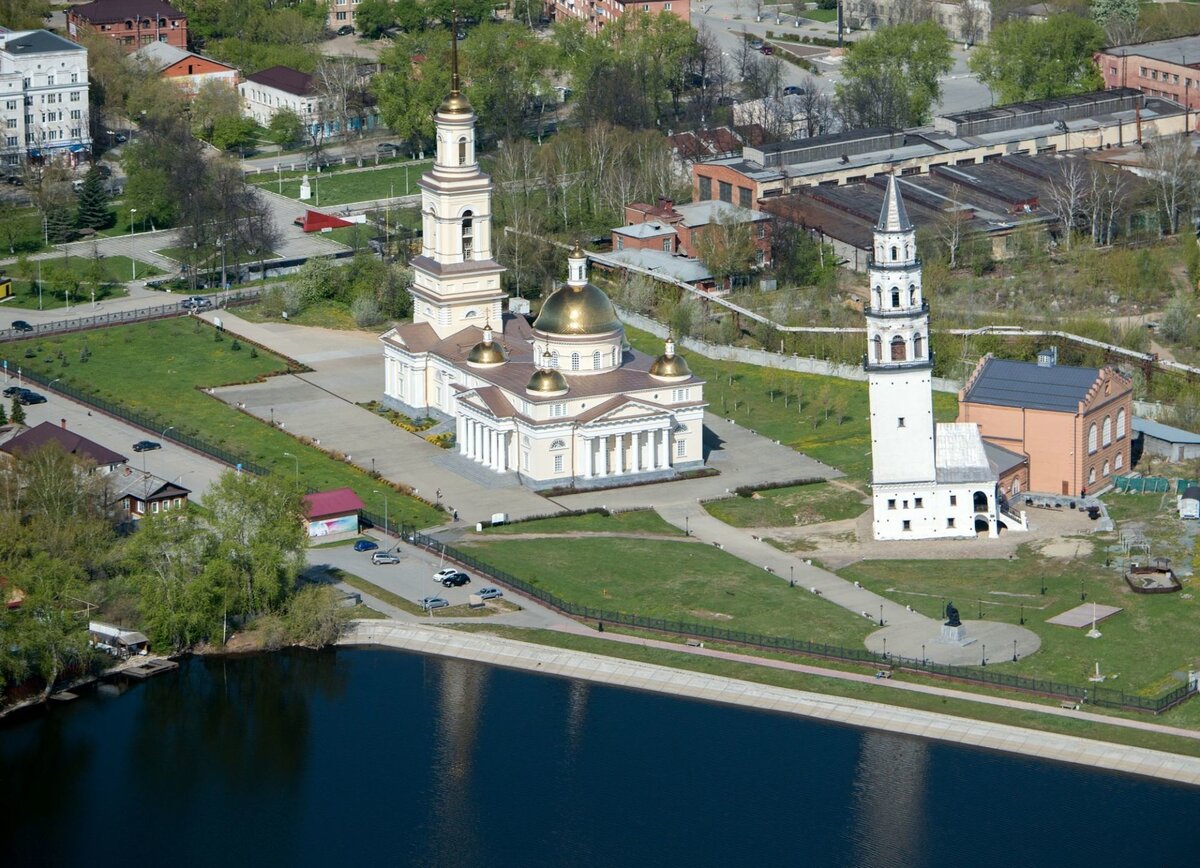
(712, 688)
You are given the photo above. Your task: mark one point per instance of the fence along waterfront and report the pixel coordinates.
(1094, 694)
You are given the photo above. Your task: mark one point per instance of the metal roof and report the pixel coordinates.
(1183, 50)
(1159, 431)
(893, 217)
(36, 42)
(1005, 383)
(960, 455)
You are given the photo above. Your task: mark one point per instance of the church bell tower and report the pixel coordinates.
(899, 363)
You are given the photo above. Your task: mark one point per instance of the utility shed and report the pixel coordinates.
(1189, 502)
(329, 513)
(1166, 441)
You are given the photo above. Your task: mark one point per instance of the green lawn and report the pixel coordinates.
(1155, 636)
(820, 15)
(789, 507)
(159, 368)
(637, 521)
(325, 314)
(20, 231)
(115, 271)
(764, 399)
(339, 188)
(685, 581)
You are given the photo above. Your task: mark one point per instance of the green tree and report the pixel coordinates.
(286, 128)
(3, 416)
(726, 247)
(373, 17)
(60, 225)
(408, 94)
(18, 413)
(1030, 60)
(890, 79)
(214, 102)
(317, 280)
(92, 211)
(24, 14)
(231, 132)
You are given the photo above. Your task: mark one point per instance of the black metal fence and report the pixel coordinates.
(1093, 694)
(146, 422)
(160, 311)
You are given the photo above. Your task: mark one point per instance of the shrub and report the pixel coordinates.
(445, 440)
(253, 351)
(236, 346)
(365, 311)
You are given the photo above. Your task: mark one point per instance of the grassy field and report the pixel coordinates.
(1155, 636)
(324, 314)
(765, 399)
(20, 231)
(789, 507)
(339, 188)
(115, 271)
(638, 521)
(858, 690)
(159, 368)
(686, 581)
(820, 14)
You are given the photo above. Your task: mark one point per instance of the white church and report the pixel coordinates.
(564, 401)
(928, 480)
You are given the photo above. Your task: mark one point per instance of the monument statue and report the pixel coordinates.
(952, 619)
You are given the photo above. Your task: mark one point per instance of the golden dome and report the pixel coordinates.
(577, 310)
(455, 103)
(547, 382)
(487, 353)
(669, 366)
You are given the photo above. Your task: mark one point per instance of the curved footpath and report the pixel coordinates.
(856, 712)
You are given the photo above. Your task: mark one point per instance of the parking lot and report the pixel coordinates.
(412, 579)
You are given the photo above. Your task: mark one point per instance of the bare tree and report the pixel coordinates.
(974, 19)
(1174, 174)
(1066, 196)
(1109, 193)
(952, 223)
(341, 98)
(817, 108)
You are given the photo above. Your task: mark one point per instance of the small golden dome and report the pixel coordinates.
(455, 103)
(577, 310)
(669, 366)
(487, 353)
(547, 382)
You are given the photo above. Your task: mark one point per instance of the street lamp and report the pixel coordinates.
(984, 663)
(687, 530)
(881, 614)
(297, 460)
(132, 259)
(1014, 650)
(163, 435)
(923, 654)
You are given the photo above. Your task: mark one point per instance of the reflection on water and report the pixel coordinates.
(371, 757)
(889, 800)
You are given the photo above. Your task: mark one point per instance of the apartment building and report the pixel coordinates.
(597, 13)
(43, 98)
(131, 23)
(1168, 68)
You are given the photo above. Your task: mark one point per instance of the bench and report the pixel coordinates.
(695, 643)
(1072, 706)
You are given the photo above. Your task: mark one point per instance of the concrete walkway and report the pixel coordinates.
(856, 712)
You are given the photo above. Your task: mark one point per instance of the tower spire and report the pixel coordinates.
(454, 83)
(893, 217)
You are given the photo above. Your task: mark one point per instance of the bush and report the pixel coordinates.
(365, 311)
(236, 346)
(445, 440)
(314, 618)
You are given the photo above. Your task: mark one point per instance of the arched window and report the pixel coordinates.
(912, 295)
(614, 356)
(471, 314)
(1106, 470)
(898, 353)
(1015, 488)
(878, 297)
(1091, 475)
(468, 234)
(895, 252)
(1106, 432)
(596, 360)
(574, 361)
(1119, 461)
(1120, 423)
(558, 444)
(878, 342)
(895, 297)
(462, 151)
(554, 360)
(1092, 439)
(918, 347)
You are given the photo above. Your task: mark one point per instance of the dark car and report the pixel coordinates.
(345, 30)
(365, 545)
(387, 148)
(105, 171)
(28, 397)
(13, 391)
(20, 325)
(196, 302)
(16, 180)
(793, 90)
(146, 446)
(456, 581)
(768, 49)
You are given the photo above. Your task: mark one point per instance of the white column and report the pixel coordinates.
(603, 442)
(503, 468)
(587, 457)
(668, 461)
(652, 448)
(461, 433)
(477, 441)
(495, 444)
(637, 451)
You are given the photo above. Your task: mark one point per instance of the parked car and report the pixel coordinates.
(16, 180)
(725, 100)
(345, 30)
(104, 170)
(441, 575)
(196, 302)
(13, 391)
(757, 44)
(20, 325)
(28, 397)
(793, 90)
(384, 558)
(146, 446)
(489, 593)
(388, 148)
(456, 581)
(428, 603)
(768, 49)
(365, 545)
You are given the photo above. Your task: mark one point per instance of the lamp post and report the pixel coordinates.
(297, 460)
(885, 647)
(163, 435)
(132, 259)
(687, 530)
(272, 417)
(1082, 595)
(881, 614)
(1022, 614)
(984, 663)
(386, 527)
(922, 653)
(1014, 650)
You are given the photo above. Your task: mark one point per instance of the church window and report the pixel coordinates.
(1120, 423)
(1106, 432)
(1015, 488)
(462, 151)
(678, 395)
(891, 503)
(554, 359)
(907, 525)
(954, 500)
(917, 347)
(949, 522)
(558, 444)
(898, 353)
(878, 297)
(912, 295)
(471, 314)
(468, 234)
(558, 464)
(680, 448)
(1092, 439)
(596, 360)
(1106, 469)
(895, 253)
(904, 504)
(895, 297)
(558, 410)
(878, 342)
(919, 503)
(900, 422)
(574, 361)
(1119, 461)
(1091, 475)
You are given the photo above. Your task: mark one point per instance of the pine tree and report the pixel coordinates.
(3, 416)
(59, 224)
(18, 413)
(93, 211)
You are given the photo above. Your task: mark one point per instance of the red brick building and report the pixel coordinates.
(675, 228)
(597, 13)
(1167, 68)
(131, 23)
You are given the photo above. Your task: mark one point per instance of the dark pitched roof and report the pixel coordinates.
(339, 501)
(70, 442)
(284, 78)
(1002, 460)
(39, 42)
(1005, 383)
(108, 11)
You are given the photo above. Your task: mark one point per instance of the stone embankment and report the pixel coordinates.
(694, 685)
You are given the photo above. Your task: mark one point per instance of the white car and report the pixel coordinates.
(433, 603)
(489, 593)
(441, 575)
(384, 558)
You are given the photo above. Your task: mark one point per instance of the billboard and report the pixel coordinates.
(328, 526)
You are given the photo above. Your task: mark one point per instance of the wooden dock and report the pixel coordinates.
(149, 668)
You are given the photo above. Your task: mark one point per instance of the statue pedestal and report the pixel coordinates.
(954, 636)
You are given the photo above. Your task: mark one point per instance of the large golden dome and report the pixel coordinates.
(455, 103)
(577, 310)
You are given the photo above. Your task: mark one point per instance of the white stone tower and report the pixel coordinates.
(456, 282)
(899, 364)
